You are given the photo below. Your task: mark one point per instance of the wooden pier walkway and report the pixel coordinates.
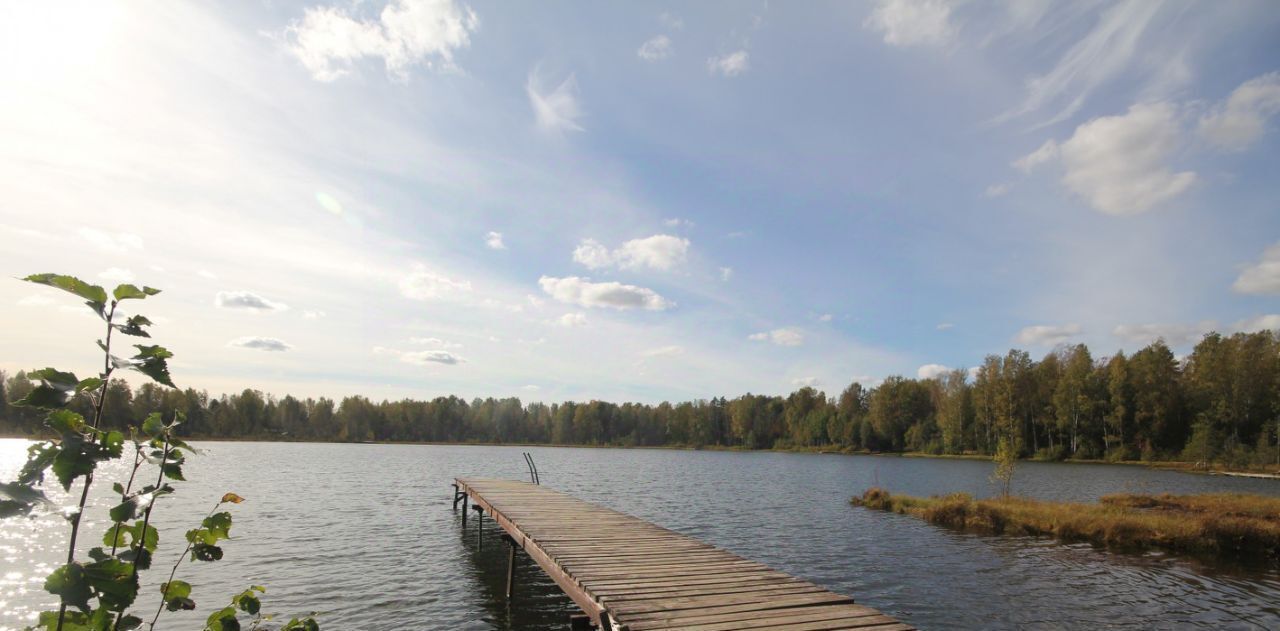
(626, 573)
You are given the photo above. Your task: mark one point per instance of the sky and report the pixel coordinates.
(634, 201)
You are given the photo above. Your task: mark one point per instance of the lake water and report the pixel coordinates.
(365, 536)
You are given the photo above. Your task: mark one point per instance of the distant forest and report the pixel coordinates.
(1219, 404)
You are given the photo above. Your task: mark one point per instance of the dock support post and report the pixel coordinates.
(511, 565)
(479, 526)
(456, 497)
(465, 499)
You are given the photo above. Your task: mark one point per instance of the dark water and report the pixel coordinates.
(364, 535)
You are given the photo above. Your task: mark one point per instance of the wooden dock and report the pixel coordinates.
(628, 574)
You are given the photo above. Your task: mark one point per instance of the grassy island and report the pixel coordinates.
(1220, 524)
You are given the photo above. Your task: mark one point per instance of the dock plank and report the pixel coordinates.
(639, 576)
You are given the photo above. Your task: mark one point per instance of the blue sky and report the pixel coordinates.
(636, 201)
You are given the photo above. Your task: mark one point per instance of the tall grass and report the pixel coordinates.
(1217, 524)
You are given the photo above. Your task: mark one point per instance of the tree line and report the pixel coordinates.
(1221, 403)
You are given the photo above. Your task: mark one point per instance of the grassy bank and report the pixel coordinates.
(1217, 524)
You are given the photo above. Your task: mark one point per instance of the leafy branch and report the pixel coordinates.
(96, 594)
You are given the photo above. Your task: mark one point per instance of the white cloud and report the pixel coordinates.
(328, 40)
(1173, 334)
(910, 22)
(112, 242)
(1262, 277)
(660, 251)
(997, 190)
(421, 358)
(424, 284)
(826, 317)
(931, 371)
(655, 49)
(786, 336)
(270, 344)
(312, 314)
(35, 300)
(945, 326)
(583, 292)
(1269, 322)
(494, 241)
(1047, 335)
(1242, 119)
(433, 341)
(246, 300)
(1117, 163)
(672, 22)
(806, 382)
(729, 64)
(676, 222)
(572, 319)
(558, 110)
(663, 351)
(726, 273)
(204, 273)
(593, 254)
(117, 274)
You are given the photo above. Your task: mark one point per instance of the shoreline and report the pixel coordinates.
(1170, 465)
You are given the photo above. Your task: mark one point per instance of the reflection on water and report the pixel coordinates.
(364, 535)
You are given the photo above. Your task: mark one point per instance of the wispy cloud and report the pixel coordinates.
(931, 371)
(555, 110)
(1046, 334)
(493, 241)
(424, 284)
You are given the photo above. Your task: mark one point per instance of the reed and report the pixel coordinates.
(1219, 524)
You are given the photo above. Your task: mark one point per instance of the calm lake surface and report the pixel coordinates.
(364, 535)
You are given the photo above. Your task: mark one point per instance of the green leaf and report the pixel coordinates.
(65, 422)
(115, 581)
(69, 583)
(219, 524)
(173, 471)
(133, 326)
(53, 391)
(140, 557)
(39, 457)
(223, 620)
(175, 589)
(205, 552)
(73, 460)
(174, 604)
(131, 292)
(95, 295)
(91, 383)
(153, 425)
(127, 623)
(12, 508)
(118, 488)
(304, 624)
(249, 603)
(150, 361)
